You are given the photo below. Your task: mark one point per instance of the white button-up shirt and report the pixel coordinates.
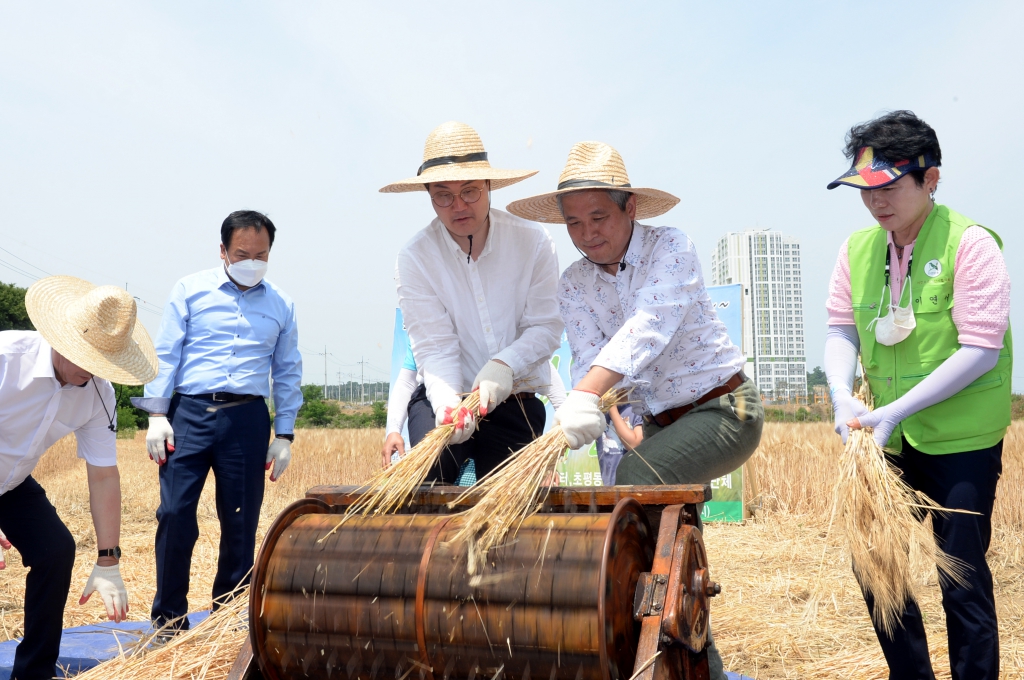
(653, 322)
(35, 411)
(461, 314)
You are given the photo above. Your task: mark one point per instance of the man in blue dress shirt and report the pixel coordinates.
(226, 332)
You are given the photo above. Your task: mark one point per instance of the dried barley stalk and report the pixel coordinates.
(879, 516)
(204, 652)
(392, 487)
(514, 491)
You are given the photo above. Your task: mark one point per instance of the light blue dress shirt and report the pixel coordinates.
(217, 338)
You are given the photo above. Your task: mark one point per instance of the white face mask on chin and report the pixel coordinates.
(247, 272)
(897, 323)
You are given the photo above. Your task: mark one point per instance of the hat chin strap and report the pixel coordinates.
(621, 262)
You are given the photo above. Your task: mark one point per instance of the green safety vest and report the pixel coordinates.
(977, 416)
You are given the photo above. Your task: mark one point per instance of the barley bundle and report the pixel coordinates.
(206, 651)
(391, 488)
(511, 493)
(879, 517)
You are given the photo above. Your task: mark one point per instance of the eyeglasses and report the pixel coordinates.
(443, 199)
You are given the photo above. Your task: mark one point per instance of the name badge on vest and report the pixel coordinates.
(933, 268)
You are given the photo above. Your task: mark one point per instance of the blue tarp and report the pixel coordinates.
(83, 647)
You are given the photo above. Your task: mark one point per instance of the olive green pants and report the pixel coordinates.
(710, 441)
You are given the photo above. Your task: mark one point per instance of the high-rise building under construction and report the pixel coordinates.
(767, 264)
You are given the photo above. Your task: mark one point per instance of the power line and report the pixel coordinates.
(26, 262)
(142, 304)
(20, 271)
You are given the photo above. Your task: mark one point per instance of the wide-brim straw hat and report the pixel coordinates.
(93, 327)
(592, 165)
(454, 153)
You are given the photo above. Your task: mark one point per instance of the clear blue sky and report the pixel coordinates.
(128, 131)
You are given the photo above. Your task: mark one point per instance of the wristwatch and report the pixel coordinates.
(289, 437)
(111, 552)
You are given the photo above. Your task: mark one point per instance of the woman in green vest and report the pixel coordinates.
(923, 297)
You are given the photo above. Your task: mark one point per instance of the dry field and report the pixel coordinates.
(789, 609)
(785, 612)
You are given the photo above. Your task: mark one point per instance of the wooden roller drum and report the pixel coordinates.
(572, 596)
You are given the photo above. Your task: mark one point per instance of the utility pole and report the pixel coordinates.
(362, 377)
(339, 385)
(325, 355)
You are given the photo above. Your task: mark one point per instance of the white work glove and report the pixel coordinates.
(845, 406)
(107, 582)
(495, 383)
(159, 432)
(461, 417)
(4, 545)
(580, 418)
(884, 419)
(278, 455)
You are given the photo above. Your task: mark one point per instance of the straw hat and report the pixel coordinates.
(93, 327)
(454, 153)
(592, 165)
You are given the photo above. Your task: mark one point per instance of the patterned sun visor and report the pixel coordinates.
(871, 172)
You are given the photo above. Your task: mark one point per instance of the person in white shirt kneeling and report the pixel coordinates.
(54, 382)
(477, 292)
(638, 315)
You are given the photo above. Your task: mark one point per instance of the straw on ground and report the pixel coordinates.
(768, 566)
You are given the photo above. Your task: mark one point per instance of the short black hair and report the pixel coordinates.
(246, 219)
(896, 136)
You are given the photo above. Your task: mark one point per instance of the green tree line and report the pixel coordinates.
(316, 412)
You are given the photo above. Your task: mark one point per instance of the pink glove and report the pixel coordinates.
(462, 418)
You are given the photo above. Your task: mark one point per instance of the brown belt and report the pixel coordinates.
(666, 418)
(524, 395)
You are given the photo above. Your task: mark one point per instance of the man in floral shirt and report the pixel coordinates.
(638, 315)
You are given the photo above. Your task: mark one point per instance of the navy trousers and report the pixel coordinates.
(964, 481)
(232, 442)
(508, 427)
(31, 524)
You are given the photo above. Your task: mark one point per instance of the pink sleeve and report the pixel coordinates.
(840, 294)
(981, 290)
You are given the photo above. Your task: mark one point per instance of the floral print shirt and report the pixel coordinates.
(653, 322)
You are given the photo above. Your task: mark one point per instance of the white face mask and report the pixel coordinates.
(897, 323)
(247, 272)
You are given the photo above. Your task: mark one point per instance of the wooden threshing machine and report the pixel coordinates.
(605, 583)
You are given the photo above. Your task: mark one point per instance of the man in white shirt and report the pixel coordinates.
(637, 314)
(54, 382)
(477, 292)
